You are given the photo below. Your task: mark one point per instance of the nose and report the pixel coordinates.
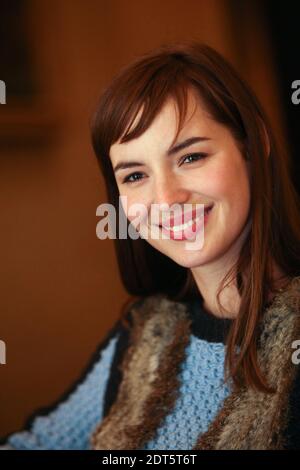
(169, 190)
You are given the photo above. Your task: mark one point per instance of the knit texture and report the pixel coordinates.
(70, 424)
(248, 418)
(202, 392)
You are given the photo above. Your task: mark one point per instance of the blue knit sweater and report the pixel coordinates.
(70, 421)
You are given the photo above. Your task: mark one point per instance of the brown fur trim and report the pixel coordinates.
(254, 420)
(150, 367)
(158, 338)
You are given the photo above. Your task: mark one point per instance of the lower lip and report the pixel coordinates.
(189, 232)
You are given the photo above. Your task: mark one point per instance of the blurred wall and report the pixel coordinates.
(60, 287)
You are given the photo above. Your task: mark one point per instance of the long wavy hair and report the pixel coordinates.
(145, 84)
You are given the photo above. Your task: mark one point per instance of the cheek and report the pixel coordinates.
(228, 186)
(134, 205)
(215, 184)
(236, 203)
(238, 187)
(228, 181)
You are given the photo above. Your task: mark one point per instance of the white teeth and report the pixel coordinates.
(177, 228)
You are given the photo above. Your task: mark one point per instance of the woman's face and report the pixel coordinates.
(209, 169)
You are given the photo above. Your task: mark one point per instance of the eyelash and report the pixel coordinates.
(198, 154)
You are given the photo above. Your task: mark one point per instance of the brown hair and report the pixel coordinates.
(146, 83)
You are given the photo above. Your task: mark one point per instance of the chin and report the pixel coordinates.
(184, 257)
(188, 259)
(189, 263)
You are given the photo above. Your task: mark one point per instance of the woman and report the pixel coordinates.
(204, 357)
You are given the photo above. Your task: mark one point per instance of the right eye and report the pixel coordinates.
(127, 179)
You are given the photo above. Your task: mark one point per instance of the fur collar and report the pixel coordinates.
(149, 387)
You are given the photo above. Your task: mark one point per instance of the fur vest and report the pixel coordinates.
(248, 419)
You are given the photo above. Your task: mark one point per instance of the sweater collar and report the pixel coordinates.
(207, 326)
(150, 385)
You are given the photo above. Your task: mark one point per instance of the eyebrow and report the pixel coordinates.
(171, 151)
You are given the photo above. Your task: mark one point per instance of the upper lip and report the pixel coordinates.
(184, 217)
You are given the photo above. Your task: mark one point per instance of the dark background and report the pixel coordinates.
(283, 22)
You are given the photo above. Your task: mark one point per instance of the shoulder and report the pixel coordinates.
(283, 313)
(155, 308)
(281, 330)
(154, 316)
(148, 326)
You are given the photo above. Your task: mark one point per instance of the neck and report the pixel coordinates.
(209, 278)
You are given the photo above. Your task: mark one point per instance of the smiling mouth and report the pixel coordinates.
(190, 223)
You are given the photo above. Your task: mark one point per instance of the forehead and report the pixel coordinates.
(165, 124)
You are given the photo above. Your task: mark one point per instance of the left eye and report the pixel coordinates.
(194, 157)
